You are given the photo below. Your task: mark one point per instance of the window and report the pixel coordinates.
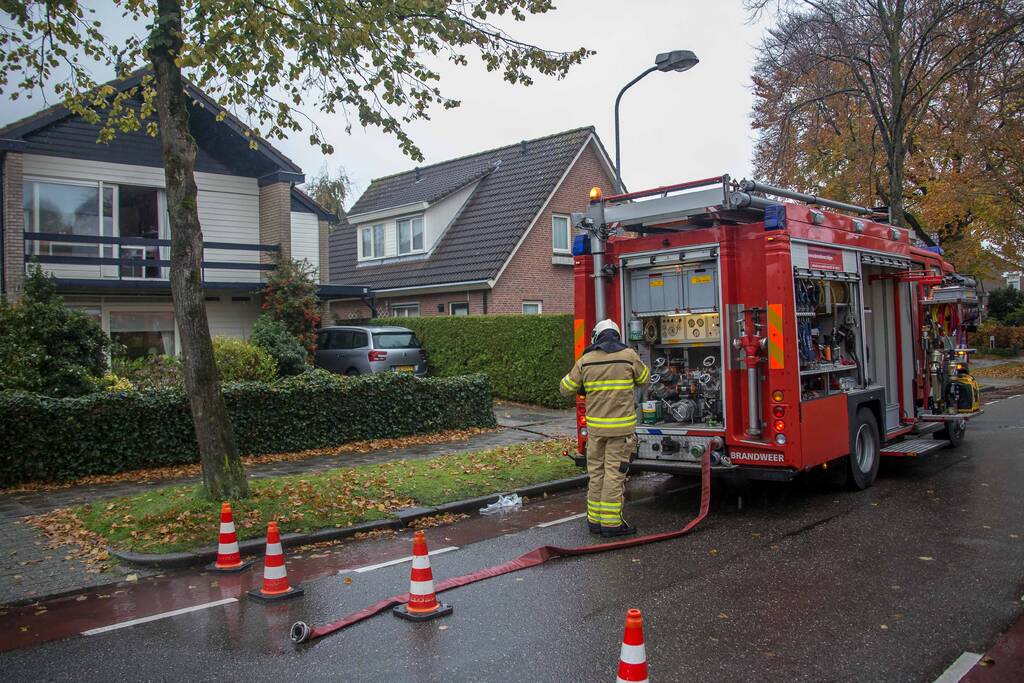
(532, 307)
(138, 215)
(98, 209)
(143, 333)
(365, 243)
(395, 340)
(358, 341)
(459, 308)
(410, 235)
(560, 234)
(63, 209)
(405, 310)
(372, 241)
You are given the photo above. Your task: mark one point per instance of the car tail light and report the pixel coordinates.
(780, 425)
(778, 411)
(377, 355)
(777, 395)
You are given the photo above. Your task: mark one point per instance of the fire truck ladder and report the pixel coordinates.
(718, 198)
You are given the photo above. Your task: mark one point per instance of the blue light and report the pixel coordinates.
(936, 250)
(774, 217)
(581, 244)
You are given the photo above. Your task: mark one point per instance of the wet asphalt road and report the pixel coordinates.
(803, 582)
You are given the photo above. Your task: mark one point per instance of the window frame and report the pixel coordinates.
(460, 304)
(410, 222)
(405, 307)
(568, 234)
(533, 302)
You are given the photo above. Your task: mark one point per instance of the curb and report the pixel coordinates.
(255, 546)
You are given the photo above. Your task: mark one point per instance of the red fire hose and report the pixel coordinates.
(301, 632)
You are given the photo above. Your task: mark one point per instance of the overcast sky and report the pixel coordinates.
(675, 126)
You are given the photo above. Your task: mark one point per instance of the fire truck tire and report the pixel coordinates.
(953, 432)
(866, 451)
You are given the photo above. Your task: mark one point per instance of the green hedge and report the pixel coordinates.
(63, 438)
(524, 355)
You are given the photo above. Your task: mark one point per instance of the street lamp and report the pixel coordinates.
(677, 60)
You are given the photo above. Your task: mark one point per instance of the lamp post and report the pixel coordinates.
(677, 60)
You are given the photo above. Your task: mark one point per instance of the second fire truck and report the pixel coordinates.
(781, 330)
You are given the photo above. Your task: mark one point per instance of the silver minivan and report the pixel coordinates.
(354, 350)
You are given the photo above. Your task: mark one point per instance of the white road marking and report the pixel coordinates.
(154, 617)
(400, 560)
(562, 520)
(959, 668)
(992, 403)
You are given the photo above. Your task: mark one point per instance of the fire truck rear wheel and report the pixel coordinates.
(865, 456)
(953, 432)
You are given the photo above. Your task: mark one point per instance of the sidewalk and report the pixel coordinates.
(29, 570)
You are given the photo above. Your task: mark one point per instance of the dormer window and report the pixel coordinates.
(410, 235)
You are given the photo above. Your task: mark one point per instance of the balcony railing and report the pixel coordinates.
(133, 266)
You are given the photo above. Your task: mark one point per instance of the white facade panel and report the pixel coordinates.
(306, 238)
(440, 215)
(232, 318)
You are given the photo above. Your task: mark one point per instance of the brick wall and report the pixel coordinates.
(325, 252)
(276, 219)
(530, 276)
(14, 226)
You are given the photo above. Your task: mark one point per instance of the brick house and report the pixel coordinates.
(94, 216)
(485, 233)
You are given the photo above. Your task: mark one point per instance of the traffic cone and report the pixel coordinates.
(228, 558)
(275, 574)
(422, 604)
(633, 658)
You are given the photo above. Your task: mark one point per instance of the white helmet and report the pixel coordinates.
(606, 324)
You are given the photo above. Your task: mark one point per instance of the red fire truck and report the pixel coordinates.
(781, 330)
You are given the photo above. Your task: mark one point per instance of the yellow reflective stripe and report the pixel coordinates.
(644, 376)
(568, 383)
(609, 506)
(611, 421)
(607, 382)
(628, 387)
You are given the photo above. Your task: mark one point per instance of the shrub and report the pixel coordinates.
(240, 361)
(111, 382)
(62, 438)
(290, 296)
(524, 355)
(1002, 302)
(1006, 336)
(273, 337)
(150, 372)
(46, 347)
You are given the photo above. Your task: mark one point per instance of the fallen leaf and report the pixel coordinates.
(926, 558)
(884, 627)
(23, 628)
(81, 598)
(132, 578)
(442, 627)
(713, 551)
(987, 661)
(347, 581)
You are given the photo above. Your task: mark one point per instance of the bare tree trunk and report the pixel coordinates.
(897, 165)
(223, 476)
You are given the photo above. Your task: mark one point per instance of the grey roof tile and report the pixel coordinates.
(478, 243)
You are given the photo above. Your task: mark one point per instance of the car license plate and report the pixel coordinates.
(405, 368)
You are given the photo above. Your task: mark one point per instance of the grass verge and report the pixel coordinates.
(179, 518)
(1003, 370)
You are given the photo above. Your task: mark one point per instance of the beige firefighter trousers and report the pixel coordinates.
(607, 483)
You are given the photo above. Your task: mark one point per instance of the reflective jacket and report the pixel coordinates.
(608, 381)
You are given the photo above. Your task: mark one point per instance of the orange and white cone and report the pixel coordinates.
(422, 604)
(228, 557)
(633, 658)
(275, 574)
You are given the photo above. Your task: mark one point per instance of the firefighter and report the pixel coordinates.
(607, 373)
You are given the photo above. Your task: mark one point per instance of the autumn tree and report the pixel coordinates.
(264, 60)
(330, 191)
(866, 73)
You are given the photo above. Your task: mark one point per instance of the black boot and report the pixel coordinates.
(594, 528)
(624, 529)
